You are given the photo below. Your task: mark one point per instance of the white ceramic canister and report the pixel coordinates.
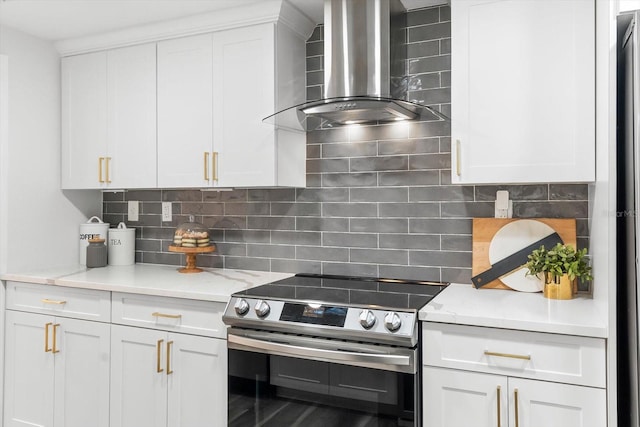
(122, 245)
(92, 229)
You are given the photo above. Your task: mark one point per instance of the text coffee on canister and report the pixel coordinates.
(94, 228)
(122, 245)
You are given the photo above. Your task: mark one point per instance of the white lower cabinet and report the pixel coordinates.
(56, 371)
(90, 358)
(459, 398)
(161, 376)
(454, 398)
(167, 379)
(475, 376)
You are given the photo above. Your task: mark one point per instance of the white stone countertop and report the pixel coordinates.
(465, 305)
(213, 284)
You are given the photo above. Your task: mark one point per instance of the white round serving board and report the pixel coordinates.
(511, 238)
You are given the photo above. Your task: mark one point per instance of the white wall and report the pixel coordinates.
(628, 5)
(41, 224)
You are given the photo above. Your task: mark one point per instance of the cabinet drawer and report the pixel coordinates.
(549, 357)
(88, 304)
(169, 314)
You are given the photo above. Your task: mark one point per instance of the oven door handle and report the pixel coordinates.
(387, 362)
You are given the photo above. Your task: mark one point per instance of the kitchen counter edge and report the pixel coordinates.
(465, 305)
(212, 284)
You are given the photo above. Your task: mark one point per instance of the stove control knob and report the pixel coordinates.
(392, 322)
(367, 319)
(241, 306)
(262, 308)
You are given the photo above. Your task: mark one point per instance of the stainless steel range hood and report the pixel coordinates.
(364, 69)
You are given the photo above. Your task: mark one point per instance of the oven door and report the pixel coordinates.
(278, 379)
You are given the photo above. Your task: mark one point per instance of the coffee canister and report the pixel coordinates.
(122, 245)
(94, 228)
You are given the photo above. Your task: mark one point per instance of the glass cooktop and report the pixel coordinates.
(350, 291)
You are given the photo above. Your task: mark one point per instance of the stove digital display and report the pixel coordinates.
(310, 311)
(315, 314)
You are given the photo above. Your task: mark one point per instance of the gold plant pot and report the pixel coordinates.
(560, 287)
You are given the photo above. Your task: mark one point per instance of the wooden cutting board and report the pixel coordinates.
(485, 230)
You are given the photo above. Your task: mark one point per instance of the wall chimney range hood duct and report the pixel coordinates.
(364, 69)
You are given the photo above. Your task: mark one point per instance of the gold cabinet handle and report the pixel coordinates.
(158, 355)
(108, 180)
(215, 166)
(51, 301)
(458, 161)
(46, 337)
(100, 159)
(515, 397)
(169, 344)
(512, 356)
(206, 166)
(55, 329)
(168, 316)
(498, 397)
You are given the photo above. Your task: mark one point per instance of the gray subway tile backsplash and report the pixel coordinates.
(434, 31)
(378, 201)
(422, 49)
(409, 146)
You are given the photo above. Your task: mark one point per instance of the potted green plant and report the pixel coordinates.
(559, 267)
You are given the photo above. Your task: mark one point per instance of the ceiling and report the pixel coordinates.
(64, 19)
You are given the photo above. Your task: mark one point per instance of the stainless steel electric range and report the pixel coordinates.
(326, 351)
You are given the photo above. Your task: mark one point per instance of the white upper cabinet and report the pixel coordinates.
(84, 120)
(185, 111)
(213, 92)
(244, 86)
(109, 119)
(131, 116)
(523, 91)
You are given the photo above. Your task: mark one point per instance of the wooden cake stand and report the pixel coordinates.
(191, 256)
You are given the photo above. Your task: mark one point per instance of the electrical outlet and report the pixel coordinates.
(133, 210)
(166, 211)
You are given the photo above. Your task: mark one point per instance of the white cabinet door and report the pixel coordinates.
(549, 404)
(57, 371)
(454, 398)
(243, 84)
(185, 112)
(29, 375)
(81, 392)
(197, 387)
(84, 120)
(167, 379)
(109, 119)
(138, 377)
(523, 91)
(131, 107)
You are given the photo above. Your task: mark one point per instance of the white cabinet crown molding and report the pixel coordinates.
(261, 12)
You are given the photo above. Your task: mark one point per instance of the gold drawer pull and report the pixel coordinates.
(498, 398)
(46, 337)
(515, 398)
(512, 356)
(168, 316)
(158, 352)
(107, 180)
(215, 166)
(54, 349)
(206, 166)
(458, 161)
(100, 159)
(51, 301)
(169, 344)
